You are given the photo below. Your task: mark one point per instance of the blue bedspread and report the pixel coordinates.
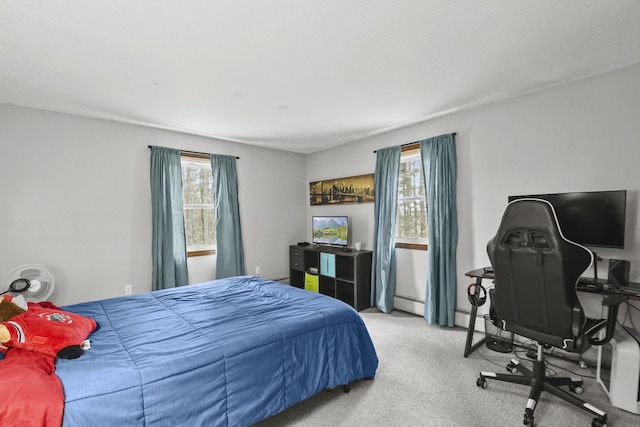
(225, 353)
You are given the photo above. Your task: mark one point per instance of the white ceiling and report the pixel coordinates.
(300, 75)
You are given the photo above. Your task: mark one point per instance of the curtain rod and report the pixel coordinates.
(417, 142)
(188, 152)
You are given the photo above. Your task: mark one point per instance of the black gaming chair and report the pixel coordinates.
(536, 271)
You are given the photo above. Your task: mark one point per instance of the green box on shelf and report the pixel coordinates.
(311, 282)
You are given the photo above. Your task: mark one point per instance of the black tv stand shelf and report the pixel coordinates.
(345, 275)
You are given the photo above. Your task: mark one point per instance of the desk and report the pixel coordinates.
(585, 284)
(601, 287)
(469, 347)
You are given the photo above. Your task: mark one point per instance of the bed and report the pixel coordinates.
(229, 352)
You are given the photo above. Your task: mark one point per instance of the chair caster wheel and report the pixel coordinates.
(528, 420)
(577, 389)
(512, 368)
(481, 382)
(597, 422)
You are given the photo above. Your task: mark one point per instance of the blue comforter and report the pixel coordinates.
(225, 353)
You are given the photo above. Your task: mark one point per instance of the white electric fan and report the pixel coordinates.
(35, 282)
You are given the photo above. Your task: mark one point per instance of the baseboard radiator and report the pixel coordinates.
(416, 306)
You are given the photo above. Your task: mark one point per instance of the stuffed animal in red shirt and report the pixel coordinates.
(45, 328)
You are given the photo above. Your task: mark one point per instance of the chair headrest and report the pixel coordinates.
(529, 223)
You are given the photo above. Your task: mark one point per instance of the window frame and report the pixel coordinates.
(197, 158)
(403, 242)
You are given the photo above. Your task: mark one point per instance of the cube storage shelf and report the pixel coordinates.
(341, 274)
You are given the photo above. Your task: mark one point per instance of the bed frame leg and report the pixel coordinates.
(345, 387)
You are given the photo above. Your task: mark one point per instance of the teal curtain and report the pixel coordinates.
(229, 248)
(169, 249)
(439, 167)
(383, 280)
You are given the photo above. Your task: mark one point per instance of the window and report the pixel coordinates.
(411, 229)
(197, 199)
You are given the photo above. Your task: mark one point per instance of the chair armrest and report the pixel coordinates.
(613, 302)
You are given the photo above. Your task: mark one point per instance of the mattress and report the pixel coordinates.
(230, 352)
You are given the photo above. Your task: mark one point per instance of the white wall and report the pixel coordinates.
(579, 136)
(75, 192)
(75, 197)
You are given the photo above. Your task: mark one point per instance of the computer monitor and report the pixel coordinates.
(592, 218)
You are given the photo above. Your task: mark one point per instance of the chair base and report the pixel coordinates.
(539, 382)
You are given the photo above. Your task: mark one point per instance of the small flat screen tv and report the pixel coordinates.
(330, 230)
(592, 218)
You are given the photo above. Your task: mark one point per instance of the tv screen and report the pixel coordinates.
(330, 230)
(593, 218)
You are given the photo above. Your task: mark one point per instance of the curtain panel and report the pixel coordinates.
(169, 250)
(440, 170)
(229, 247)
(383, 279)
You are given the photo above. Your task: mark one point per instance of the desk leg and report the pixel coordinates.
(469, 348)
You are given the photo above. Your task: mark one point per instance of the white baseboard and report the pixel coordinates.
(463, 317)
(414, 306)
(410, 305)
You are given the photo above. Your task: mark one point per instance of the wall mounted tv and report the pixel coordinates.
(330, 230)
(593, 218)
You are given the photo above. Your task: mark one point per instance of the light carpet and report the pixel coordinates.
(424, 380)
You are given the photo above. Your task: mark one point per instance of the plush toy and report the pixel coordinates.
(10, 307)
(45, 328)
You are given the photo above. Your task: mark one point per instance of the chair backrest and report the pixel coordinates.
(536, 271)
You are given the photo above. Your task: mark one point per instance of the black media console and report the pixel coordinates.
(336, 273)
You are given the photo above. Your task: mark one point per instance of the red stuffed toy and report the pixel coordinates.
(47, 329)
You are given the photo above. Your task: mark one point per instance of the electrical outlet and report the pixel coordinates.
(257, 269)
(127, 289)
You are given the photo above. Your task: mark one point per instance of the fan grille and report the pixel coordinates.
(32, 272)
